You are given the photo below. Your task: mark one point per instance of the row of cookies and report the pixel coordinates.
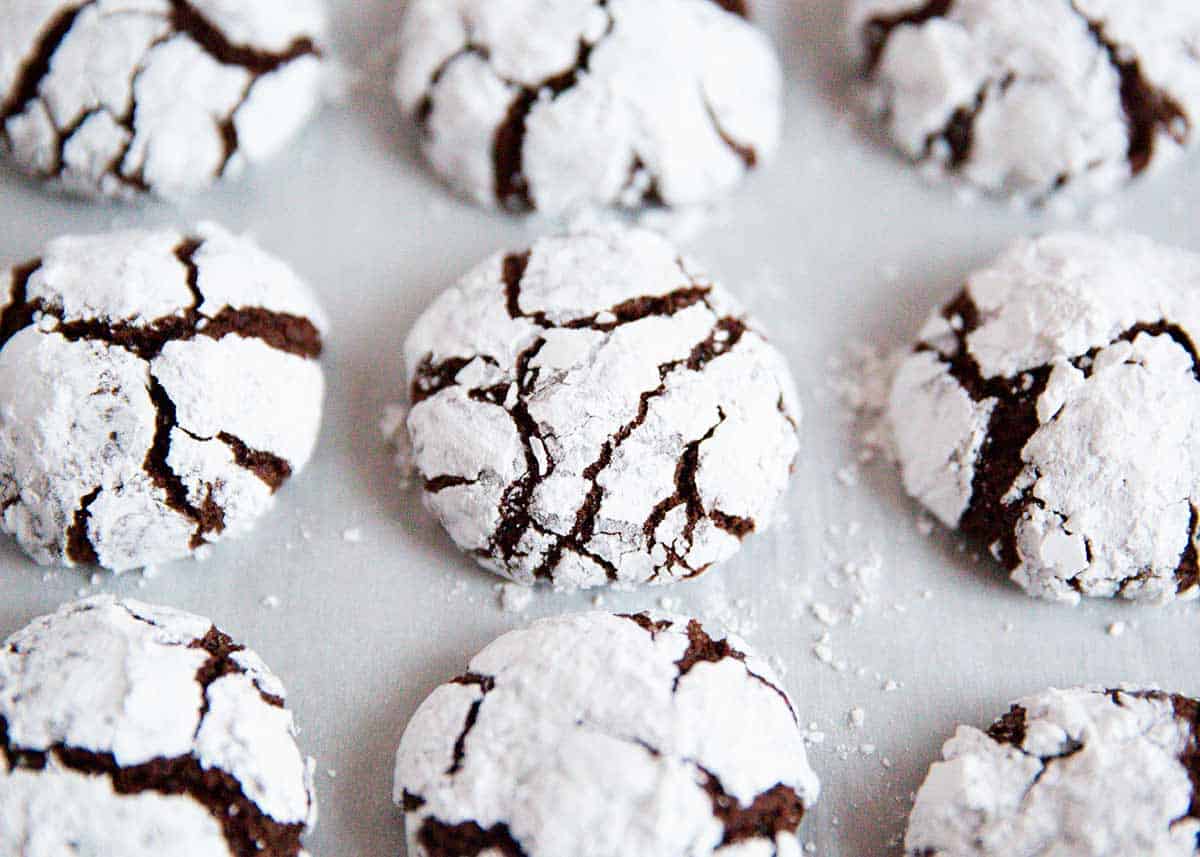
(527, 104)
(597, 410)
(138, 730)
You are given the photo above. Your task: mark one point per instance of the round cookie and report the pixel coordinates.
(601, 735)
(562, 105)
(156, 389)
(1028, 97)
(594, 410)
(120, 99)
(141, 731)
(1075, 773)
(1052, 412)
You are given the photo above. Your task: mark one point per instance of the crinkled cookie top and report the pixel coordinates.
(1074, 773)
(121, 98)
(594, 411)
(558, 105)
(141, 731)
(599, 735)
(156, 390)
(1030, 97)
(1052, 411)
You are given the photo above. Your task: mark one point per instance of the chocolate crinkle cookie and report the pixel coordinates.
(557, 105)
(1074, 773)
(1030, 97)
(606, 736)
(1052, 412)
(595, 410)
(140, 731)
(122, 98)
(156, 390)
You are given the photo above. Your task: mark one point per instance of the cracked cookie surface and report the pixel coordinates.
(602, 735)
(1034, 97)
(1085, 772)
(1052, 413)
(122, 98)
(596, 411)
(156, 390)
(138, 730)
(562, 105)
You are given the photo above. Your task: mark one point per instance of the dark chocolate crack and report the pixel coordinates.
(736, 526)
(508, 144)
(281, 331)
(747, 154)
(879, 29)
(410, 802)
(1009, 729)
(79, 542)
(468, 839)
(959, 132)
(486, 685)
(737, 7)
(702, 648)
(207, 519)
(221, 649)
(18, 315)
(643, 621)
(185, 18)
(775, 811)
(267, 466)
(1187, 574)
(988, 519)
(1148, 109)
(1013, 422)
(1166, 328)
(687, 494)
(37, 64)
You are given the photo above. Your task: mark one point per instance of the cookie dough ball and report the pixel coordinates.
(1052, 411)
(1027, 97)
(120, 99)
(561, 105)
(141, 731)
(604, 736)
(156, 390)
(595, 410)
(1074, 773)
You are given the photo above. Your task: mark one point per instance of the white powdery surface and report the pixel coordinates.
(1092, 773)
(1027, 97)
(595, 411)
(120, 98)
(1054, 410)
(156, 389)
(560, 105)
(598, 735)
(106, 689)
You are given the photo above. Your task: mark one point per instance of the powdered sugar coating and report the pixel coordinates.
(1077, 773)
(593, 734)
(120, 98)
(1053, 410)
(561, 105)
(1030, 97)
(595, 411)
(156, 389)
(138, 730)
